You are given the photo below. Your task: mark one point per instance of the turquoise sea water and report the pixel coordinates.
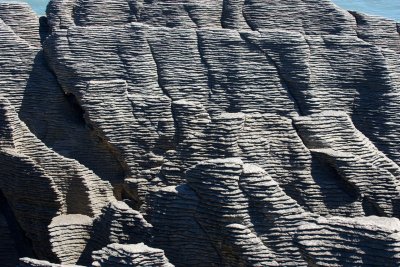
(38, 5)
(385, 8)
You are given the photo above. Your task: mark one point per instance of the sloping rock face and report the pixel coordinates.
(130, 255)
(198, 133)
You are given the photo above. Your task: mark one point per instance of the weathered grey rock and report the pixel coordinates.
(225, 212)
(172, 212)
(74, 237)
(27, 262)
(297, 15)
(25, 78)
(372, 176)
(22, 20)
(250, 220)
(378, 31)
(343, 241)
(69, 235)
(130, 255)
(118, 223)
(30, 170)
(144, 131)
(217, 132)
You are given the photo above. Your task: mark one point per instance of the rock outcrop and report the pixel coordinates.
(198, 133)
(332, 242)
(27, 262)
(130, 255)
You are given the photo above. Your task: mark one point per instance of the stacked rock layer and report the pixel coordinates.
(198, 133)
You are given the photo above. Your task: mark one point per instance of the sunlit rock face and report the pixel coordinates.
(198, 133)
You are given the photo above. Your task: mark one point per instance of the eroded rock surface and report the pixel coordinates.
(198, 133)
(130, 255)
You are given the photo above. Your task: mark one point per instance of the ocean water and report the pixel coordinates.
(385, 8)
(38, 5)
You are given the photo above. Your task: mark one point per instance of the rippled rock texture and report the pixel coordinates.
(198, 133)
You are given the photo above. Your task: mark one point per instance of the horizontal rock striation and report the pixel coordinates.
(22, 20)
(27, 262)
(177, 231)
(331, 242)
(365, 170)
(69, 187)
(25, 78)
(130, 255)
(198, 133)
(69, 235)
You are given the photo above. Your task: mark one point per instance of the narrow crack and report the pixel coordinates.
(246, 19)
(210, 239)
(210, 79)
(223, 12)
(74, 102)
(166, 93)
(256, 230)
(158, 69)
(284, 83)
(190, 15)
(357, 20)
(124, 62)
(212, 244)
(134, 11)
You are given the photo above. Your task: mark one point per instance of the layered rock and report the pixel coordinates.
(212, 133)
(118, 223)
(22, 20)
(31, 170)
(74, 237)
(130, 255)
(250, 221)
(142, 134)
(367, 172)
(26, 78)
(172, 212)
(224, 213)
(339, 241)
(27, 262)
(69, 235)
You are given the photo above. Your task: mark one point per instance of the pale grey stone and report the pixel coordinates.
(198, 133)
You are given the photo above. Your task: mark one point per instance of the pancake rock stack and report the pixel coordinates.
(198, 133)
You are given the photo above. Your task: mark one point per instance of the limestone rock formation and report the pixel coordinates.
(27, 262)
(332, 242)
(198, 133)
(130, 255)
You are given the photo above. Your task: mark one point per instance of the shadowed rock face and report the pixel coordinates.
(198, 133)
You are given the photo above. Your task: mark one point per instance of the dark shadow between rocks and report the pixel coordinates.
(23, 245)
(57, 120)
(336, 193)
(374, 109)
